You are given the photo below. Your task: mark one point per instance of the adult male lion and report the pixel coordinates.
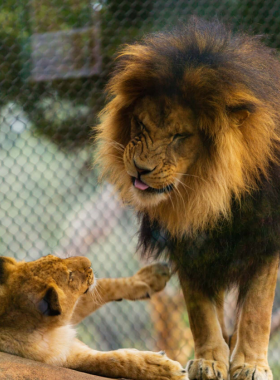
(190, 138)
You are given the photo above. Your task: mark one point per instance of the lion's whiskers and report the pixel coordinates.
(177, 191)
(192, 175)
(115, 143)
(182, 199)
(170, 197)
(119, 158)
(184, 185)
(116, 146)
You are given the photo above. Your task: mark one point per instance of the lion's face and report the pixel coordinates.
(164, 145)
(42, 289)
(188, 127)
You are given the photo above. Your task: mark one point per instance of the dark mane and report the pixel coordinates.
(227, 61)
(231, 82)
(220, 225)
(230, 254)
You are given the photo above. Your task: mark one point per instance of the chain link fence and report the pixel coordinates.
(55, 58)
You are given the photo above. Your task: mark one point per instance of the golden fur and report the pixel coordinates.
(242, 126)
(190, 139)
(41, 300)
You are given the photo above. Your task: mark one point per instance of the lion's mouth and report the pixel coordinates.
(140, 185)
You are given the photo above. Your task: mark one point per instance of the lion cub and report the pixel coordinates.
(41, 300)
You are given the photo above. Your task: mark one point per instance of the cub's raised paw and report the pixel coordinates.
(201, 369)
(250, 372)
(149, 280)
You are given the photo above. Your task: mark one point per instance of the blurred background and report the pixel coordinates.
(55, 59)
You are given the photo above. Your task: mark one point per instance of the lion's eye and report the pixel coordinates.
(181, 136)
(140, 124)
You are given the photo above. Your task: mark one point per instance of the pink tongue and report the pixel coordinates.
(140, 185)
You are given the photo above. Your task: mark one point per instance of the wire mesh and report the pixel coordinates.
(55, 59)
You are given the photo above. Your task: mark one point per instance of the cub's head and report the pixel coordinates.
(41, 292)
(192, 124)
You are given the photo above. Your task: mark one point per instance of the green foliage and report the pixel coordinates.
(118, 23)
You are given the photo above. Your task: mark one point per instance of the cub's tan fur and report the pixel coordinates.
(41, 300)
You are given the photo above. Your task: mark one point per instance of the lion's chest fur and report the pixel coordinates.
(231, 253)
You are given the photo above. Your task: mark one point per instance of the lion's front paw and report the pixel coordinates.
(201, 369)
(149, 280)
(250, 372)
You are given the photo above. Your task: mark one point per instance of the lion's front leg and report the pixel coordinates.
(125, 363)
(211, 350)
(249, 357)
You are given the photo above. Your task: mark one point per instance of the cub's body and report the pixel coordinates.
(40, 302)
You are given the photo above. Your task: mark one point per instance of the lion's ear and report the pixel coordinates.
(49, 304)
(239, 113)
(241, 116)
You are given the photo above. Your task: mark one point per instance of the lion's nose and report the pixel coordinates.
(143, 170)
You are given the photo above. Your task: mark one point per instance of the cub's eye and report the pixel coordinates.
(70, 276)
(181, 136)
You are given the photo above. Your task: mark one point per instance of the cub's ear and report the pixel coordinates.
(6, 264)
(49, 304)
(2, 270)
(239, 113)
